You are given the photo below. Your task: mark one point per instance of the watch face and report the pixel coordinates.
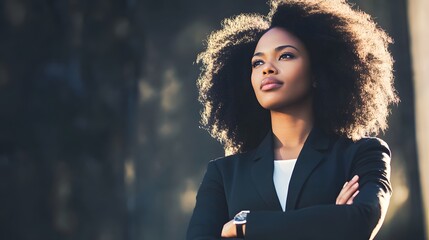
(241, 217)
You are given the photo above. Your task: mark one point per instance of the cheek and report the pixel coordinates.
(301, 77)
(306, 77)
(254, 82)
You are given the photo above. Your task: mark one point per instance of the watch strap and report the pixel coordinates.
(239, 228)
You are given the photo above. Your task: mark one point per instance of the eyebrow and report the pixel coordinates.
(277, 49)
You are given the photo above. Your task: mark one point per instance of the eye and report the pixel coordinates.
(287, 56)
(257, 63)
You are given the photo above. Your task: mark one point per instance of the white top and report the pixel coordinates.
(282, 173)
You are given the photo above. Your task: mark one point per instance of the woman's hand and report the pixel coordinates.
(349, 192)
(229, 230)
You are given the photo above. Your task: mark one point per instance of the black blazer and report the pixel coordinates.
(245, 182)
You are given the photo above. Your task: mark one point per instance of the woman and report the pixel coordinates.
(293, 97)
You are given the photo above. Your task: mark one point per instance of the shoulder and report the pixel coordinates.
(361, 145)
(372, 142)
(364, 152)
(233, 159)
(373, 150)
(231, 162)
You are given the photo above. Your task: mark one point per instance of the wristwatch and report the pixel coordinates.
(239, 220)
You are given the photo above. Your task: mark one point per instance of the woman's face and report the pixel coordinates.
(281, 71)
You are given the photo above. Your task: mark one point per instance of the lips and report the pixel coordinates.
(270, 83)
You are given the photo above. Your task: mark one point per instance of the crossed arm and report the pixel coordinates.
(346, 196)
(358, 213)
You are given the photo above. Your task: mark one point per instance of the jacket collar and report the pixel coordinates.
(263, 168)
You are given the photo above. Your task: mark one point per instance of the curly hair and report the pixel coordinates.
(349, 58)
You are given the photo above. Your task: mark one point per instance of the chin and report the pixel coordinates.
(282, 104)
(274, 105)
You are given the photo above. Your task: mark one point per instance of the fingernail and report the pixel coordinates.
(355, 177)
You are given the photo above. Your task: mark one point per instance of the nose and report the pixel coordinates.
(269, 69)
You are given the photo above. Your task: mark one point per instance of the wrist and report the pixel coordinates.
(240, 223)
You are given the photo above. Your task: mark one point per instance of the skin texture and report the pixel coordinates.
(280, 56)
(283, 57)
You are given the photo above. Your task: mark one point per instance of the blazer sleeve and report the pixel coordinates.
(361, 220)
(211, 210)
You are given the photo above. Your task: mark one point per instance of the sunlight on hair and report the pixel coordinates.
(354, 93)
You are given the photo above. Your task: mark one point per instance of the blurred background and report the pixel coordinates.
(99, 136)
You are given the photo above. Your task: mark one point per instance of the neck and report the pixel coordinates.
(292, 126)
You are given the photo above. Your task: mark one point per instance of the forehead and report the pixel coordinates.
(276, 37)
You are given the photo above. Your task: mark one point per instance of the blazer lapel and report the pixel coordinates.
(309, 157)
(263, 168)
(262, 172)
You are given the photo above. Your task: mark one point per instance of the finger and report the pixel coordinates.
(340, 195)
(346, 187)
(350, 201)
(354, 180)
(341, 192)
(347, 193)
(350, 183)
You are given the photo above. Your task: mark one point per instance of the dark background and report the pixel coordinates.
(99, 136)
